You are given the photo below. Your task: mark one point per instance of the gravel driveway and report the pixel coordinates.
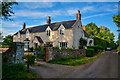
(106, 66)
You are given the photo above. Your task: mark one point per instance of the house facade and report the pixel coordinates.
(61, 34)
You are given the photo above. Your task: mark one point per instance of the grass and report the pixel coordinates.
(74, 61)
(17, 71)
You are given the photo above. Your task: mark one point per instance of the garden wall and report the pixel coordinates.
(55, 54)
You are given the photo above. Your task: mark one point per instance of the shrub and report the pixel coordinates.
(56, 48)
(31, 49)
(90, 52)
(96, 47)
(30, 60)
(82, 43)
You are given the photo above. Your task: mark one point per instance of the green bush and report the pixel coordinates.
(13, 71)
(39, 48)
(56, 48)
(90, 52)
(96, 47)
(100, 42)
(82, 43)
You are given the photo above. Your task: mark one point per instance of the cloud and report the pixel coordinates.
(6, 32)
(88, 8)
(10, 27)
(37, 14)
(96, 15)
(10, 24)
(34, 5)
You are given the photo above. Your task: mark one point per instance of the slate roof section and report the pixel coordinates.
(39, 39)
(53, 26)
(86, 34)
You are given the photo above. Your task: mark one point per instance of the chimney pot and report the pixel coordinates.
(48, 20)
(84, 27)
(78, 15)
(24, 25)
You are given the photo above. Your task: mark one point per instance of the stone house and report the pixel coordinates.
(61, 34)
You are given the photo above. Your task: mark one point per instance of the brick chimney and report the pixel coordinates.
(78, 15)
(48, 20)
(84, 27)
(24, 25)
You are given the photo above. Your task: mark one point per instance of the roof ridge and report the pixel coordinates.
(50, 24)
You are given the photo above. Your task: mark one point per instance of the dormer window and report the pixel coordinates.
(48, 32)
(61, 31)
(18, 34)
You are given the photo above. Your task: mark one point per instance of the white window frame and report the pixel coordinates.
(61, 31)
(63, 44)
(48, 32)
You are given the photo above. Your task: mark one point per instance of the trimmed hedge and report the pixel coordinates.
(96, 47)
(90, 52)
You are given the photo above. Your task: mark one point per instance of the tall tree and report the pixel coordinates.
(92, 29)
(7, 41)
(116, 20)
(7, 9)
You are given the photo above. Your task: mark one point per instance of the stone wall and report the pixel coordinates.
(55, 54)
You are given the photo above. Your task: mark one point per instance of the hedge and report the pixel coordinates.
(90, 52)
(96, 47)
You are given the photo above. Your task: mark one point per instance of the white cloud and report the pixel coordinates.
(96, 15)
(7, 31)
(88, 8)
(10, 27)
(34, 5)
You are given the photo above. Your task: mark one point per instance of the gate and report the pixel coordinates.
(45, 52)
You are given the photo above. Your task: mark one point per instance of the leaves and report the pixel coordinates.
(116, 19)
(7, 9)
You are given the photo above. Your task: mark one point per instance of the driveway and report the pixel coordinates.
(106, 66)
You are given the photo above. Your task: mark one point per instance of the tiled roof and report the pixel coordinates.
(53, 26)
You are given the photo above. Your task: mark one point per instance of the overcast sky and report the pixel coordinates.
(35, 13)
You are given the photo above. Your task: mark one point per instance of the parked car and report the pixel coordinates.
(108, 49)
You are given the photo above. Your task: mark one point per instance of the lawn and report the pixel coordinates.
(17, 71)
(73, 61)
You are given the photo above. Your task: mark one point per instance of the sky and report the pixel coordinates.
(36, 13)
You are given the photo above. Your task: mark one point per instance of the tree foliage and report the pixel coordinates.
(92, 29)
(82, 43)
(7, 9)
(7, 41)
(30, 60)
(101, 35)
(116, 20)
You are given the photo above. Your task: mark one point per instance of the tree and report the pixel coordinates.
(30, 60)
(92, 29)
(7, 41)
(116, 20)
(105, 34)
(7, 9)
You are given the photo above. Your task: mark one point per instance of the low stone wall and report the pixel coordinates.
(55, 54)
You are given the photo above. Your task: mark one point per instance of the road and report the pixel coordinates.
(106, 66)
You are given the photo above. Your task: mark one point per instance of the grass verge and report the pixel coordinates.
(74, 61)
(17, 71)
